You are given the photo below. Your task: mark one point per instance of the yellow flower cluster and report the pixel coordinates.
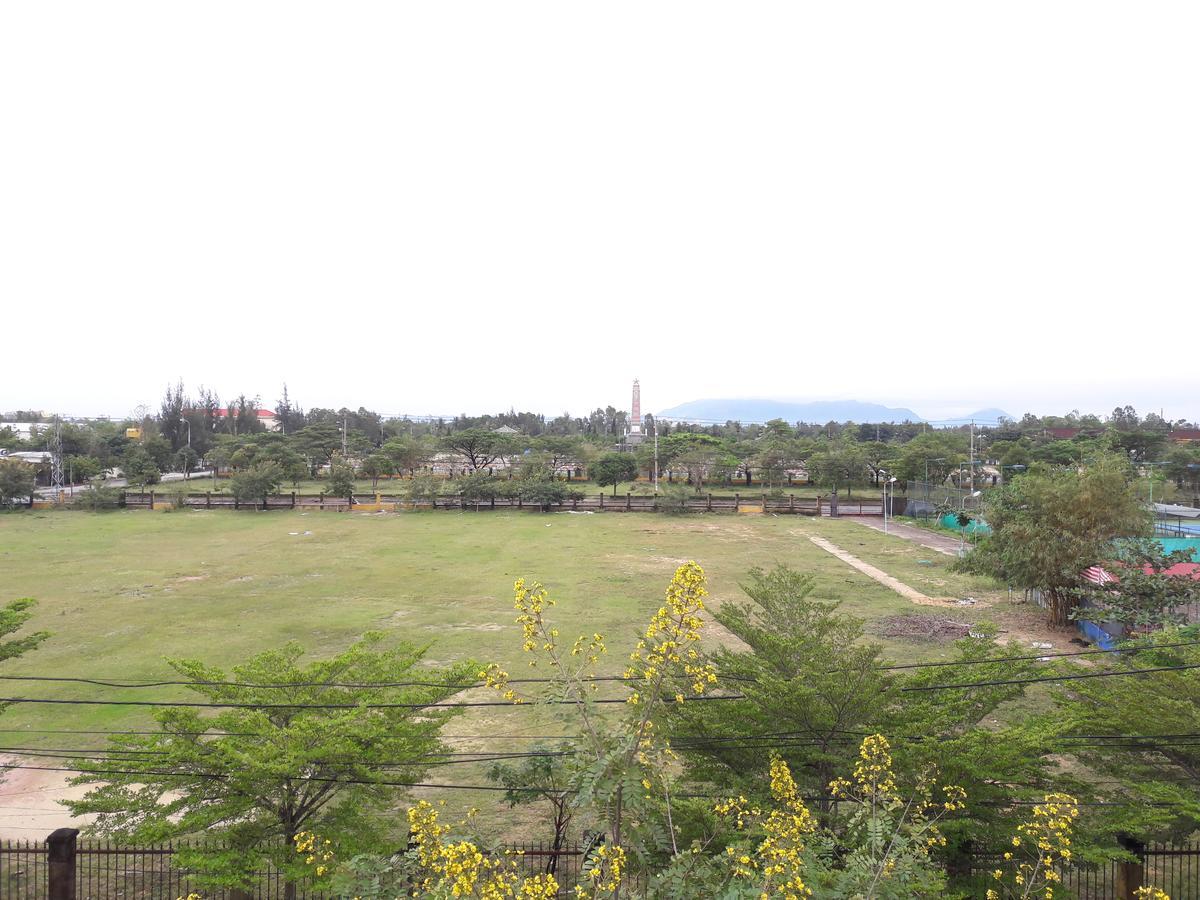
(531, 603)
(776, 863)
(1151, 893)
(498, 679)
(317, 853)
(1048, 835)
(605, 868)
(874, 786)
(463, 870)
(672, 636)
(872, 772)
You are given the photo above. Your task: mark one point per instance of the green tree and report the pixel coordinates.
(317, 442)
(1049, 526)
(479, 447)
(139, 468)
(542, 777)
(408, 453)
(806, 672)
(930, 457)
(1158, 770)
(544, 492)
(341, 478)
(838, 466)
(256, 482)
(296, 746)
(375, 467)
(12, 617)
(560, 450)
(614, 468)
(1142, 594)
(186, 459)
(17, 481)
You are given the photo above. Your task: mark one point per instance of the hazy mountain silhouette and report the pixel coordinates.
(744, 409)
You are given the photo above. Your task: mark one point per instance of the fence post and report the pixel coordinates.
(791, 503)
(208, 499)
(152, 500)
(60, 870)
(237, 504)
(293, 499)
(628, 501)
(709, 508)
(1130, 874)
(958, 859)
(764, 502)
(737, 502)
(602, 499)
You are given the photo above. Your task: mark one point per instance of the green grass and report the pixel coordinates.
(122, 590)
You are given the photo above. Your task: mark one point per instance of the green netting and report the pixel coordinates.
(976, 526)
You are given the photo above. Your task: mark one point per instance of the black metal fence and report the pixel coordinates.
(65, 868)
(88, 870)
(1173, 868)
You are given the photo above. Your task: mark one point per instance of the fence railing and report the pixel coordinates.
(763, 503)
(1173, 868)
(65, 868)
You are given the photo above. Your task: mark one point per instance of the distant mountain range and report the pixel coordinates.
(748, 409)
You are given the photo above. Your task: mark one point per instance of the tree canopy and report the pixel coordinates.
(296, 745)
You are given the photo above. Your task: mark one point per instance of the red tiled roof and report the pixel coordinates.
(1186, 434)
(1099, 575)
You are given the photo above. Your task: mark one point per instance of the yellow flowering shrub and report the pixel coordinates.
(1151, 893)
(775, 864)
(446, 867)
(664, 665)
(1040, 844)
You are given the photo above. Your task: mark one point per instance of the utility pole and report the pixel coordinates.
(656, 457)
(972, 456)
(343, 435)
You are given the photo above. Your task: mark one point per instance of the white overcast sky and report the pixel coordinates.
(445, 207)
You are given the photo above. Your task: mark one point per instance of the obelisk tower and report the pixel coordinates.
(635, 418)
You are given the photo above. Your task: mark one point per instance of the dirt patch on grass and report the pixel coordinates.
(919, 627)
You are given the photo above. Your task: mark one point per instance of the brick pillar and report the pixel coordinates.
(1130, 874)
(61, 864)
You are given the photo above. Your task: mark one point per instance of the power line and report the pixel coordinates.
(122, 683)
(1039, 656)
(975, 684)
(196, 704)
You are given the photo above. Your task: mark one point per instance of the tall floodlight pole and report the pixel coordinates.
(56, 458)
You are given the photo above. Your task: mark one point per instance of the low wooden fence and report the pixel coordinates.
(736, 503)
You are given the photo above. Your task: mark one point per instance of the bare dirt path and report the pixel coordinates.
(28, 807)
(908, 593)
(931, 540)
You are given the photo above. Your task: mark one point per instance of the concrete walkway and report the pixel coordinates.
(877, 574)
(941, 543)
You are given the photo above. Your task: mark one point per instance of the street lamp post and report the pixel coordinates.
(891, 481)
(962, 529)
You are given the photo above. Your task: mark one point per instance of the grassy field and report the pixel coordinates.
(120, 591)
